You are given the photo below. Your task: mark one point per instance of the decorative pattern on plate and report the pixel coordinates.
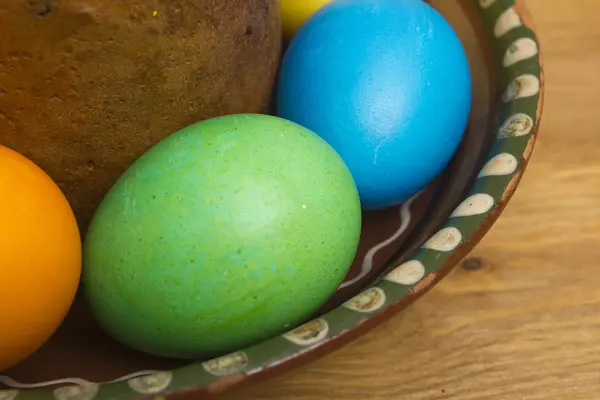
(407, 274)
(76, 392)
(486, 3)
(521, 107)
(151, 384)
(516, 125)
(73, 382)
(526, 85)
(446, 239)
(367, 264)
(520, 50)
(368, 301)
(310, 333)
(8, 394)
(474, 205)
(507, 21)
(500, 164)
(227, 365)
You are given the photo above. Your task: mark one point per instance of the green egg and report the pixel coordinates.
(228, 232)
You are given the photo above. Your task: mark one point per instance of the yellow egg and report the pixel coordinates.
(295, 12)
(40, 257)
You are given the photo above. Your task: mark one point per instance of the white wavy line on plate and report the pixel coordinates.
(367, 264)
(8, 381)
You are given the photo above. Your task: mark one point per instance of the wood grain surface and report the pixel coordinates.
(527, 324)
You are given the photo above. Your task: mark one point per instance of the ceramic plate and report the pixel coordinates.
(403, 253)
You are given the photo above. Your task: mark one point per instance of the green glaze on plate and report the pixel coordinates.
(225, 233)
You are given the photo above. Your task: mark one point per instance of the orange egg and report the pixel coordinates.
(40, 257)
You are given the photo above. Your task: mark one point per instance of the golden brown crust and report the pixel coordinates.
(86, 86)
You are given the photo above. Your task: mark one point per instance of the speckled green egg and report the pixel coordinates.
(228, 232)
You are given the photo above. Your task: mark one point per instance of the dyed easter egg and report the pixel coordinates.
(223, 234)
(295, 12)
(40, 257)
(387, 84)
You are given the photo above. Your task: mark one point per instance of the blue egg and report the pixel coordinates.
(387, 84)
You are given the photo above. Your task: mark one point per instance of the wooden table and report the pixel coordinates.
(526, 325)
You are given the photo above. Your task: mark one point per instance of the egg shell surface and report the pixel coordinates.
(387, 84)
(227, 232)
(40, 257)
(295, 12)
